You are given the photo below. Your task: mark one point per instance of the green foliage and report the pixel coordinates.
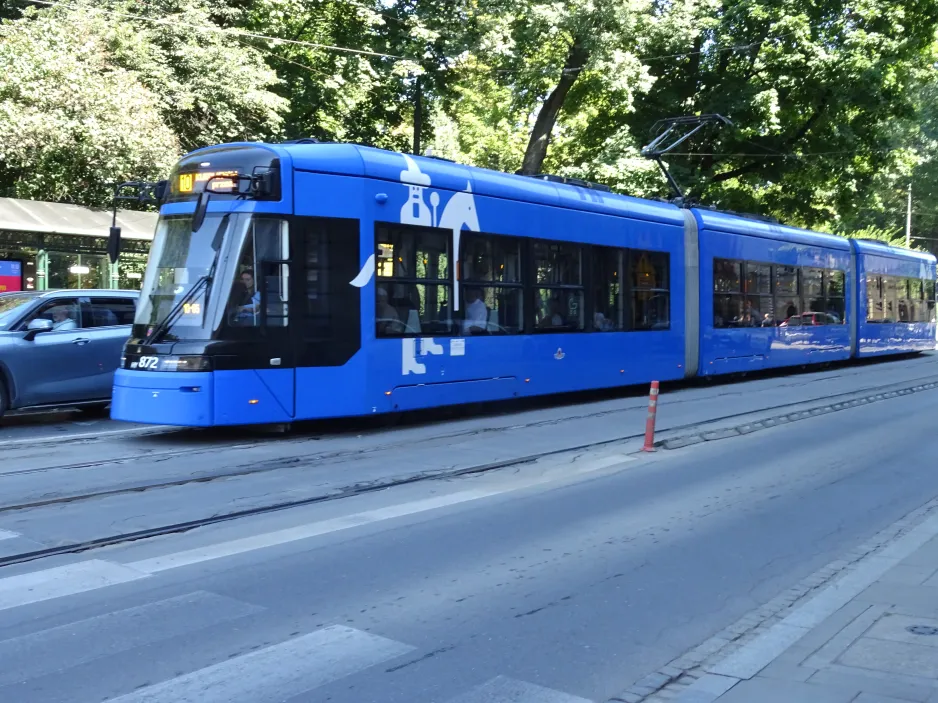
(89, 95)
(835, 104)
(70, 120)
(213, 88)
(893, 237)
(823, 97)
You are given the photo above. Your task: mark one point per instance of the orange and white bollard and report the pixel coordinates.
(650, 422)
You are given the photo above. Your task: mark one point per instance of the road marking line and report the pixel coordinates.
(278, 672)
(26, 658)
(502, 689)
(369, 517)
(59, 581)
(89, 575)
(5, 534)
(293, 534)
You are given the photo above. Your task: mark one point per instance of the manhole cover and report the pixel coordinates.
(922, 630)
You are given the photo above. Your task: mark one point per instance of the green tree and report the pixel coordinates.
(70, 120)
(214, 86)
(96, 93)
(350, 68)
(563, 61)
(821, 96)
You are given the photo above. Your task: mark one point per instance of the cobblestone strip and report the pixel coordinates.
(711, 435)
(670, 681)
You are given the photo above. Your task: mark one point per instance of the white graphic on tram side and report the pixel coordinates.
(458, 214)
(409, 363)
(368, 270)
(415, 211)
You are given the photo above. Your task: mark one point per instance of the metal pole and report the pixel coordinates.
(908, 220)
(418, 117)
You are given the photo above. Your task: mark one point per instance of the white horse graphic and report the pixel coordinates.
(460, 213)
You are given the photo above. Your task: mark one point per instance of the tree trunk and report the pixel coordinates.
(547, 117)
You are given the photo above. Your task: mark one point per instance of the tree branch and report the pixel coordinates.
(546, 119)
(787, 144)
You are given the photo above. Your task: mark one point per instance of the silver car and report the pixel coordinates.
(61, 347)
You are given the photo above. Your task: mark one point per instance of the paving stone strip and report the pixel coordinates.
(706, 432)
(670, 681)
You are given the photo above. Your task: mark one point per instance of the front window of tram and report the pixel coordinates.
(182, 264)
(192, 290)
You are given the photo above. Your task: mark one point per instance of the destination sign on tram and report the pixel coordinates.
(195, 182)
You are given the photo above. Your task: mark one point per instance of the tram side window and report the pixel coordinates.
(930, 300)
(414, 291)
(836, 296)
(759, 308)
(812, 287)
(650, 299)
(917, 309)
(608, 273)
(558, 289)
(903, 303)
(742, 294)
(890, 299)
(787, 296)
(261, 288)
(728, 299)
(491, 288)
(874, 298)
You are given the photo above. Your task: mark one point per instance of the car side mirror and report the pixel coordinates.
(36, 326)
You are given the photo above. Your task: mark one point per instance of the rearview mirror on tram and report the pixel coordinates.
(218, 184)
(114, 244)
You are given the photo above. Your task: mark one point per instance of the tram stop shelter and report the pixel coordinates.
(58, 245)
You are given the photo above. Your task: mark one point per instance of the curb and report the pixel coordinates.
(669, 682)
(749, 427)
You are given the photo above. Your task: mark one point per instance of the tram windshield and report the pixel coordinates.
(198, 283)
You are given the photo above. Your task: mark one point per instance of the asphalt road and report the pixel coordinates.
(557, 582)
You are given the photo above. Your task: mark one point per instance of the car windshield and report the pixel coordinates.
(10, 307)
(179, 272)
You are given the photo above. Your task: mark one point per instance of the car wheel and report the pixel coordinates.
(4, 398)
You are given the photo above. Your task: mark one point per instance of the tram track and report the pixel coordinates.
(337, 456)
(286, 462)
(828, 404)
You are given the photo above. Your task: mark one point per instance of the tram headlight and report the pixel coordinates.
(185, 363)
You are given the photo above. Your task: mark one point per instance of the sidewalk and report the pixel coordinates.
(861, 630)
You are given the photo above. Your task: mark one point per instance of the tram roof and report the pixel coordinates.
(876, 248)
(368, 162)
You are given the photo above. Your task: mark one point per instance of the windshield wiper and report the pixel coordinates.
(164, 324)
(204, 280)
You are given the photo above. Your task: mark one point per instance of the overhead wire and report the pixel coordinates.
(778, 154)
(367, 52)
(711, 50)
(221, 30)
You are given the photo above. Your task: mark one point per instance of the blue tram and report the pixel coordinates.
(306, 280)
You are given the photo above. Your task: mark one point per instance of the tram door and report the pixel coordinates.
(267, 258)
